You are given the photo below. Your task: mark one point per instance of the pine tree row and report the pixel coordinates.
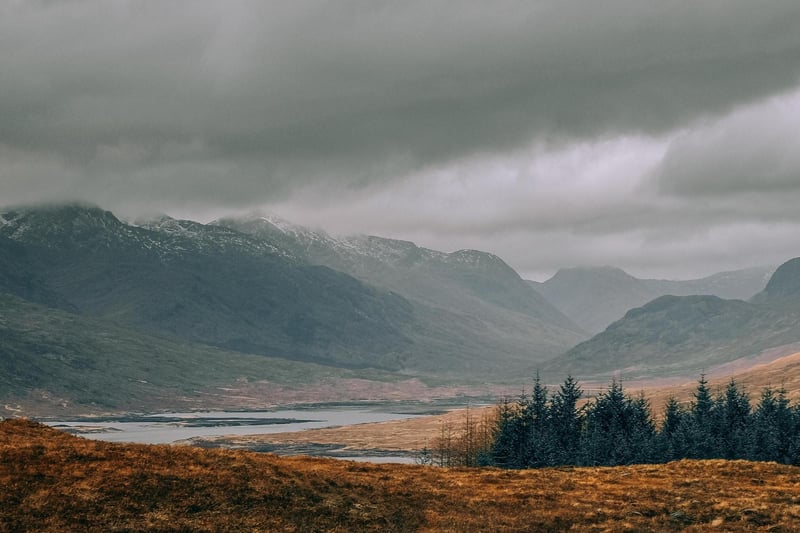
(614, 428)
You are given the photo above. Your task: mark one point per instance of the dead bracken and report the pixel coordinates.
(52, 481)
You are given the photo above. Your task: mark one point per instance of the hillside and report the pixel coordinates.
(58, 482)
(783, 289)
(57, 362)
(475, 295)
(211, 284)
(594, 297)
(685, 335)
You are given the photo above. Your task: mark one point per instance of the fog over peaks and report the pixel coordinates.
(659, 137)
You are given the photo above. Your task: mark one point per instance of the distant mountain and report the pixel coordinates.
(594, 297)
(261, 294)
(783, 287)
(473, 294)
(209, 284)
(676, 334)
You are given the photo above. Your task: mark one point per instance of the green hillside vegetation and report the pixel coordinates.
(94, 364)
(210, 285)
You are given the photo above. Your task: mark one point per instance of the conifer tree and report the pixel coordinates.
(503, 449)
(702, 444)
(734, 422)
(616, 429)
(773, 429)
(566, 422)
(539, 446)
(619, 430)
(673, 438)
(643, 431)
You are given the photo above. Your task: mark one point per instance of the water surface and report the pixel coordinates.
(165, 428)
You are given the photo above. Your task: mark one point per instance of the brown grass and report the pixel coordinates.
(782, 372)
(396, 435)
(50, 481)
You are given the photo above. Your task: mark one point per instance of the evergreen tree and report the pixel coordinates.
(539, 447)
(773, 429)
(701, 433)
(642, 432)
(604, 441)
(503, 447)
(616, 429)
(674, 439)
(619, 430)
(566, 422)
(734, 422)
(765, 441)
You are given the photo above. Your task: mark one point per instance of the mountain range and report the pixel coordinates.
(470, 294)
(85, 294)
(684, 334)
(234, 287)
(594, 297)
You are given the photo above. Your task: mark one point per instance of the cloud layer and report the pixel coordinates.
(552, 133)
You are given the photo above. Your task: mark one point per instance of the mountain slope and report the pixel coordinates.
(18, 276)
(680, 334)
(783, 287)
(412, 269)
(471, 315)
(594, 297)
(471, 294)
(210, 285)
(84, 363)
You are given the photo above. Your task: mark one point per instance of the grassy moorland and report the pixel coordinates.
(51, 481)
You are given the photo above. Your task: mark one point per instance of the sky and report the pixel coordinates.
(660, 137)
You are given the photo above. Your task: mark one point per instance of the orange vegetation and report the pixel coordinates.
(51, 481)
(782, 372)
(396, 435)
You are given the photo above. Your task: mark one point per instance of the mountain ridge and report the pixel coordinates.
(212, 284)
(595, 297)
(679, 334)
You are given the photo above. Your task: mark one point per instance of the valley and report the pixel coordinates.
(102, 315)
(400, 266)
(412, 435)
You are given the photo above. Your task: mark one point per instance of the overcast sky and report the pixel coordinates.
(661, 137)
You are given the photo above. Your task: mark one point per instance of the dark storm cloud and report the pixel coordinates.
(754, 152)
(237, 103)
(656, 136)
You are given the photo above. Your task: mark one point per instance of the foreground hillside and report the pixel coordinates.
(56, 482)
